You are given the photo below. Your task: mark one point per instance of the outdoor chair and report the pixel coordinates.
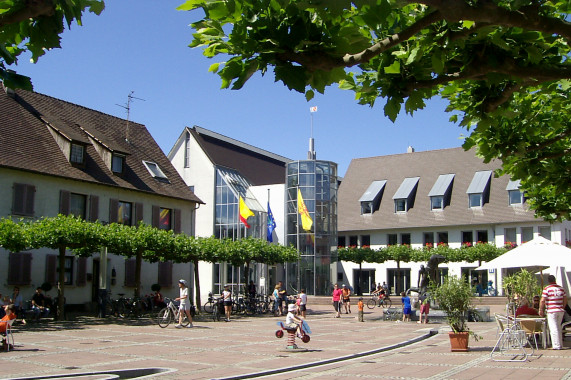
(501, 322)
(532, 329)
(8, 337)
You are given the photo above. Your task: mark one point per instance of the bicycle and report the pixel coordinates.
(170, 313)
(384, 302)
(218, 309)
(209, 305)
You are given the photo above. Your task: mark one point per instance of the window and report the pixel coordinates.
(353, 241)
(478, 191)
(404, 196)
(437, 203)
(545, 231)
(371, 198)
(365, 240)
(165, 274)
(154, 169)
(52, 265)
(400, 205)
(405, 239)
(20, 268)
(475, 200)
(442, 237)
(23, 199)
(467, 237)
(510, 235)
(165, 219)
(440, 192)
(428, 239)
(187, 150)
(392, 239)
(124, 213)
(341, 241)
(482, 236)
(77, 154)
(515, 196)
(526, 234)
(130, 265)
(117, 163)
(77, 204)
(366, 207)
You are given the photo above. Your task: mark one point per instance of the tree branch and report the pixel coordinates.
(31, 9)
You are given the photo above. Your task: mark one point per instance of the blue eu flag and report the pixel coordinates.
(271, 224)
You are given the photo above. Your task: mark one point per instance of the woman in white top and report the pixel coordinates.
(227, 297)
(184, 304)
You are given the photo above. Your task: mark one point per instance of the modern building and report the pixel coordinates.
(442, 196)
(220, 170)
(61, 158)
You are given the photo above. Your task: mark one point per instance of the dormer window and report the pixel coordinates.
(404, 197)
(77, 154)
(515, 196)
(440, 192)
(117, 163)
(479, 189)
(154, 170)
(371, 198)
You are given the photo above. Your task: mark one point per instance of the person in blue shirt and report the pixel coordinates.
(406, 308)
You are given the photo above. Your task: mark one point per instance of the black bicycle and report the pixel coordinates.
(384, 302)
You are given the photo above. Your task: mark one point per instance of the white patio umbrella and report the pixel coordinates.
(537, 254)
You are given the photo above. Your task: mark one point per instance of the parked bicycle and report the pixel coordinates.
(217, 309)
(384, 302)
(170, 313)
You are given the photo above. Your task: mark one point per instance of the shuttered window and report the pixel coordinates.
(20, 268)
(81, 277)
(165, 274)
(130, 272)
(51, 269)
(23, 199)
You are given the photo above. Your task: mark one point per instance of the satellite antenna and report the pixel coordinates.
(127, 106)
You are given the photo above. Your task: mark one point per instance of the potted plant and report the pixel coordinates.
(454, 297)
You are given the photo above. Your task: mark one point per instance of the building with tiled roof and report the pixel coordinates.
(440, 196)
(59, 157)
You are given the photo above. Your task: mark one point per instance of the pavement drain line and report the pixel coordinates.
(427, 335)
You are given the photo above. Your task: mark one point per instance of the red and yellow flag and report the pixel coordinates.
(245, 213)
(306, 221)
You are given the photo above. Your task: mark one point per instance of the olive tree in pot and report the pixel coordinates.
(454, 297)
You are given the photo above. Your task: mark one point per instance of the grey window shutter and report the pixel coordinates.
(20, 268)
(156, 216)
(165, 274)
(113, 210)
(23, 199)
(51, 269)
(138, 213)
(93, 208)
(81, 278)
(64, 202)
(177, 221)
(130, 265)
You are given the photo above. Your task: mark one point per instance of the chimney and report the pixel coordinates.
(410, 149)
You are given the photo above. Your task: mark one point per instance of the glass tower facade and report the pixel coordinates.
(317, 183)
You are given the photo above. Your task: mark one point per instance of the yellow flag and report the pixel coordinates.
(245, 213)
(306, 221)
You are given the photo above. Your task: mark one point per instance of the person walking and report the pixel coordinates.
(361, 307)
(184, 306)
(302, 302)
(337, 293)
(553, 301)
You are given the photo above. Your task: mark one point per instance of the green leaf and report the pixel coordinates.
(394, 68)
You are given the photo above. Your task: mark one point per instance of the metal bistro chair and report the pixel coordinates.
(532, 329)
(7, 336)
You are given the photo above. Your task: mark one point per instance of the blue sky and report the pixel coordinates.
(142, 46)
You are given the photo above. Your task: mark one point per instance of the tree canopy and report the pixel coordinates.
(35, 26)
(503, 66)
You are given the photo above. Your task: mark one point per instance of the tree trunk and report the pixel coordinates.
(138, 262)
(197, 286)
(60, 285)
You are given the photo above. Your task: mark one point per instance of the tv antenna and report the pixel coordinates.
(127, 106)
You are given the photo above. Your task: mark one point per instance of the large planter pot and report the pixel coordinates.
(459, 341)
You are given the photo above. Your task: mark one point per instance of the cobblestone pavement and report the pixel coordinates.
(247, 346)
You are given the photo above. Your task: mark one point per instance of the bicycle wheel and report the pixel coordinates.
(185, 320)
(216, 313)
(371, 303)
(265, 307)
(386, 303)
(208, 307)
(121, 309)
(164, 317)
